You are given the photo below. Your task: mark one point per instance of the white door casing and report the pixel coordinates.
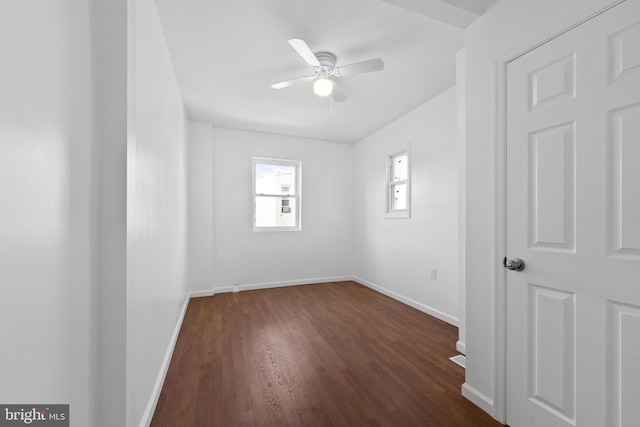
(573, 215)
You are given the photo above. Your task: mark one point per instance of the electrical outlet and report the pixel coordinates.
(434, 273)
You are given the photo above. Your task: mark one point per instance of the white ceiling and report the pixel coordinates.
(227, 53)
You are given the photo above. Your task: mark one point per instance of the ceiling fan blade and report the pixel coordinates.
(291, 82)
(303, 50)
(337, 93)
(360, 67)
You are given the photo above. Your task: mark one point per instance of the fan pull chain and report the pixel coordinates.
(330, 102)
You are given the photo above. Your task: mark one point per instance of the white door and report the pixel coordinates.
(573, 216)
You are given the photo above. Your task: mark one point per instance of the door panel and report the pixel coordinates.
(552, 334)
(552, 188)
(624, 178)
(553, 81)
(573, 215)
(624, 52)
(623, 347)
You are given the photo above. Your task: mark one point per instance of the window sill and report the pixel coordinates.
(398, 215)
(272, 229)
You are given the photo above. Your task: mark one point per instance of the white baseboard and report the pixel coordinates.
(164, 368)
(461, 346)
(199, 294)
(477, 398)
(268, 285)
(408, 301)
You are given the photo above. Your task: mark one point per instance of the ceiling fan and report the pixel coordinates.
(325, 71)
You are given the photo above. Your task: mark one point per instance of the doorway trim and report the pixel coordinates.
(578, 17)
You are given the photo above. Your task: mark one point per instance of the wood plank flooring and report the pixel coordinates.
(331, 354)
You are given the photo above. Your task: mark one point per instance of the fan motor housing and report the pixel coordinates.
(327, 59)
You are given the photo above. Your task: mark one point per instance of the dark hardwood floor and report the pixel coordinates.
(331, 354)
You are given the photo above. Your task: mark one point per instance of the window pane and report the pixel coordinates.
(276, 194)
(275, 212)
(399, 169)
(399, 196)
(275, 179)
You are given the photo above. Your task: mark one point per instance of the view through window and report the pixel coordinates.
(398, 185)
(276, 192)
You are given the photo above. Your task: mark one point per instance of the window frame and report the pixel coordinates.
(389, 211)
(295, 200)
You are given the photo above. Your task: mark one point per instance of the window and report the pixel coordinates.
(276, 195)
(398, 201)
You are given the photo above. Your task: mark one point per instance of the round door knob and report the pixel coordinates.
(515, 264)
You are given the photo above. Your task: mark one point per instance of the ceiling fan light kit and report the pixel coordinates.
(322, 86)
(325, 71)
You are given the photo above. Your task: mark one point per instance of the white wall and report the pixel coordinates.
(321, 251)
(200, 202)
(507, 24)
(109, 191)
(461, 134)
(395, 255)
(45, 178)
(156, 210)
